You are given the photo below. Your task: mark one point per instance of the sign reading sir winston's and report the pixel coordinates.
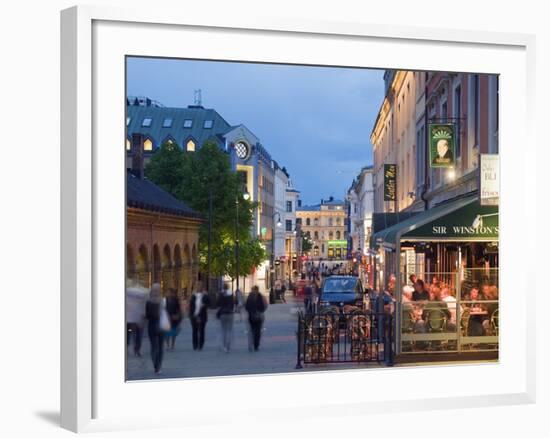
(390, 182)
(442, 144)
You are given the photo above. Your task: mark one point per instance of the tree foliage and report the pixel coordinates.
(195, 176)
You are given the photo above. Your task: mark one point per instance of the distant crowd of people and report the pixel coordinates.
(162, 318)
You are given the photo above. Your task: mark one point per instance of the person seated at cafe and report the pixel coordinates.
(478, 313)
(435, 281)
(435, 304)
(413, 278)
(491, 296)
(406, 295)
(450, 302)
(420, 293)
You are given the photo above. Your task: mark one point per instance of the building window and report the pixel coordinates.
(288, 224)
(128, 120)
(148, 145)
(167, 123)
(308, 222)
(188, 123)
(337, 221)
(128, 145)
(316, 235)
(208, 124)
(330, 235)
(147, 122)
(338, 235)
(190, 146)
(330, 222)
(289, 206)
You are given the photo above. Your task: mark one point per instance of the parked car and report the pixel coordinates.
(341, 290)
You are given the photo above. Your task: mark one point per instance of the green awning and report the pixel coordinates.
(453, 221)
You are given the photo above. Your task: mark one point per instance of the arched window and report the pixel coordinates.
(190, 146)
(308, 222)
(330, 235)
(338, 235)
(148, 145)
(316, 235)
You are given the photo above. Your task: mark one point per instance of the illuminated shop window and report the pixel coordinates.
(148, 145)
(191, 146)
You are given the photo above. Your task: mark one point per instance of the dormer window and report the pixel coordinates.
(188, 123)
(208, 124)
(167, 123)
(146, 122)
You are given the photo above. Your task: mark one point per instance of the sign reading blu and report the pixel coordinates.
(442, 144)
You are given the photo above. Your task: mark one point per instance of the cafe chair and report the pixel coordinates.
(494, 322)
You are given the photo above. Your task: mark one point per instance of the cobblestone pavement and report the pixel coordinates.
(277, 352)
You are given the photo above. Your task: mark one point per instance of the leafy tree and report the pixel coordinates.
(306, 243)
(165, 168)
(195, 176)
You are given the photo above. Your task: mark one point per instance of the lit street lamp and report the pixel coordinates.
(246, 197)
(272, 264)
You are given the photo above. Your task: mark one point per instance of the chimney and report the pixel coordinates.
(137, 155)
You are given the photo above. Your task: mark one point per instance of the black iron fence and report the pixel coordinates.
(334, 335)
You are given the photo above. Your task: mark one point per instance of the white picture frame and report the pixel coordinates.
(93, 39)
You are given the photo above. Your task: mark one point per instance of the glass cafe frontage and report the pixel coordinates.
(453, 248)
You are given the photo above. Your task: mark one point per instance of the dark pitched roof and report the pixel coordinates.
(197, 114)
(143, 194)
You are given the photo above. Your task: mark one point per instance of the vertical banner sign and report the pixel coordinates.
(442, 144)
(390, 182)
(488, 179)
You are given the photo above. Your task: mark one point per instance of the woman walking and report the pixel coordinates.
(256, 305)
(173, 308)
(153, 309)
(225, 315)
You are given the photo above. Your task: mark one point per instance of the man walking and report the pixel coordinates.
(256, 305)
(198, 314)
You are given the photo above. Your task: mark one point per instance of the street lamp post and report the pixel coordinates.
(246, 196)
(209, 239)
(272, 264)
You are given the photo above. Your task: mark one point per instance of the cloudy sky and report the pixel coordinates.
(316, 121)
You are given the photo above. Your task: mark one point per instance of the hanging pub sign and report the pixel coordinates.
(442, 144)
(488, 179)
(390, 182)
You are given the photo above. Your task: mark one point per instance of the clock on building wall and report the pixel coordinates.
(242, 150)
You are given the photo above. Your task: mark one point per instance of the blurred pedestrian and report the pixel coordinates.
(173, 308)
(153, 309)
(225, 314)
(198, 314)
(308, 296)
(135, 316)
(256, 305)
(239, 301)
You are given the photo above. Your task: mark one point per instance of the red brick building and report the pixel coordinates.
(162, 235)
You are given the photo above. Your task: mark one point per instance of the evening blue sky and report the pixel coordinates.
(315, 121)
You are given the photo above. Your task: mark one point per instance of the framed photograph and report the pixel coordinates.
(294, 206)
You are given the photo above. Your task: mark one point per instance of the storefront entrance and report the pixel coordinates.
(453, 250)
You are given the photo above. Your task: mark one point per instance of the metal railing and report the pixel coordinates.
(333, 335)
